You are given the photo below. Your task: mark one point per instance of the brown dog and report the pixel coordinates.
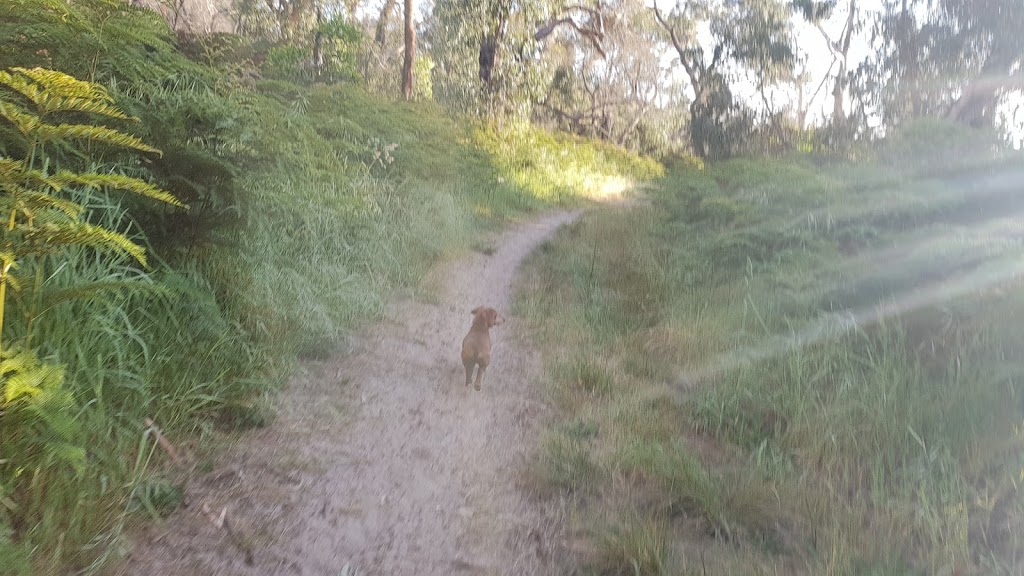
(476, 346)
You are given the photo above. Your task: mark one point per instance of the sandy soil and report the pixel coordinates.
(381, 460)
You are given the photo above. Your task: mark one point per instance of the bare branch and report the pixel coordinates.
(985, 87)
(595, 34)
(676, 43)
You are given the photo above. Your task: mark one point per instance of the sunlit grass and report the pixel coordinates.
(561, 168)
(836, 361)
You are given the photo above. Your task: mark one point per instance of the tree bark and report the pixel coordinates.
(490, 52)
(410, 52)
(976, 105)
(840, 53)
(382, 22)
(318, 39)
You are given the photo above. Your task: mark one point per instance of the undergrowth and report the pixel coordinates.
(309, 207)
(781, 366)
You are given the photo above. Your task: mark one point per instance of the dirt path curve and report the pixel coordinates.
(380, 458)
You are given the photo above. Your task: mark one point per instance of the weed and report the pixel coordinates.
(634, 548)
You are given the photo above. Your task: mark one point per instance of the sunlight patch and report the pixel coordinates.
(606, 188)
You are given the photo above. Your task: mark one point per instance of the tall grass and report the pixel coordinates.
(134, 345)
(311, 207)
(815, 365)
(361, 199)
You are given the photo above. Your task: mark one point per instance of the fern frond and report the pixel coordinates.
(118, 182)
(12, 279)
(24, 375)
(21, 84)
(14, 283)
(53, 235)
(45, 88)
(39, 201)
(50, 103)
(14, 177)
(25, 123)
(103, 134)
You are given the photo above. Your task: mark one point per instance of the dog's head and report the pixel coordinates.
(487, 316)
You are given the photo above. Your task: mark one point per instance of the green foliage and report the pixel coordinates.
(94, 40)
(14, 558)
(37, 389)
(40, 418)
(638, 547)
(286, 62)
(558, 167)
(195, 111)
(933, 147)
(473, 30)
(824, 368)
(309, 207)
(568, 463)
(38, 222)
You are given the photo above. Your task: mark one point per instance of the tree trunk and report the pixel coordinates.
(410, 52)
(490, 52)
(977, 103)
(838, 113)
(318, 55)
(840, 53)
(382, 22)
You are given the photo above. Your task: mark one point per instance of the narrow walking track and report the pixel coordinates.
(380, 458)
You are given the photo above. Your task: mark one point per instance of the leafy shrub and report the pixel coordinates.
(45, 226)
(932, 147)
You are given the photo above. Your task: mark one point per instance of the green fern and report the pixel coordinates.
(116, 182)
(33, 391)
(52, 91)
(49, 237)
(38, 222)
(25, 378)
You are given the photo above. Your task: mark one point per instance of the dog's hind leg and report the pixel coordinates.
(480, 374)
(469, 372)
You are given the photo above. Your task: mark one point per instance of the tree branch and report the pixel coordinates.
(678, 46)
(984, 87)
(594, 34)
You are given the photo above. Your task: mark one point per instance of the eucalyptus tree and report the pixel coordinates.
(410, 51)
(988, 37)
(817, 12)
(741, 35)
(953, 59)
(619, 90)
(491, 54)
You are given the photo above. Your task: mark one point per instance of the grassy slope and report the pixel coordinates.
(336, 229)
(721, 414)
(304, 236)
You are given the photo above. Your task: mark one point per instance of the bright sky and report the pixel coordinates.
(813, 46)
(819, 61)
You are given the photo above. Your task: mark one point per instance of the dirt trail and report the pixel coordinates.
(380, 458)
